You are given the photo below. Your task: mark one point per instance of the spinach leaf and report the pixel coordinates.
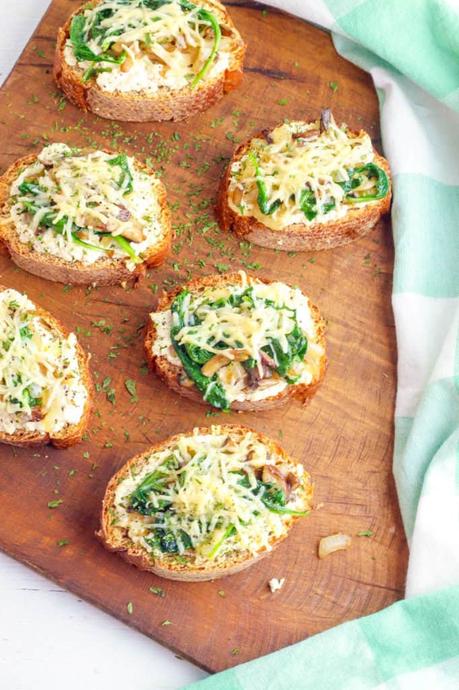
(166, 541)
(140, 499)
(262, 199)
(297, 348)
(125, 245)
(211, 387)
(308, 203)
(29, 188)
(30, 400)
(126, 178)
(274, 499)
(372, 171)
(82, 51)
(197, 354)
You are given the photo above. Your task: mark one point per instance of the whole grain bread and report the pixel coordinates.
(172, 374)
(72, 433)
(106, 271)
(115, 539)
(142, 107)
(357, 222)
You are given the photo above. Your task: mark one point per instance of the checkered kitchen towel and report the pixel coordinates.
(411, 49)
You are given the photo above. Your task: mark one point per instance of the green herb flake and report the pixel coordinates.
(282, 101)
(62, 542)
(333, 86)
(365, 533)
(159, 591)
(55, 504)
(166, 622)
(130, 608)
(131, 388)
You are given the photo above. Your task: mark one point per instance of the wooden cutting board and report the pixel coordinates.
(344, 437)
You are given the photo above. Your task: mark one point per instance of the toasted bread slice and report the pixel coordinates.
(243, 488)
(260, 388)
(172, 80)
(46, 389)
(295, 187)
(52, 254)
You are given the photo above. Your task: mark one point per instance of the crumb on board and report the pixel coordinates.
(275, 584)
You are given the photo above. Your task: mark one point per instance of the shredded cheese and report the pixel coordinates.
(205, 496)
(248, 329)
(86, 191)
(165, 47)
(297, 156)
(41, 387)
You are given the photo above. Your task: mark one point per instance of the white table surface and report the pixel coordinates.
(50, 639)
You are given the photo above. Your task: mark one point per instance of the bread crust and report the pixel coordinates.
(357, 223)
(170, 373)
(140, 107)
(73, 433)
(106, 271)
(119, 543)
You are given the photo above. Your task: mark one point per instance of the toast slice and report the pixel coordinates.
(224, 497)
(83, 217)
(46, 389)
(304, 187)
(260, 355)
(176, 58)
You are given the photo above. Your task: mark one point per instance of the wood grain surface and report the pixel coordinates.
(344, 437)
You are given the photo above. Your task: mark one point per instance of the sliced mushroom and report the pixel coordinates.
(124, 213)
(237, 196)
(267, 136)
(325, 119)
(37, 414)
(307, 135)
(133, 231)
(272, 475)
(240, 355)
(214, 364)
(267, 359)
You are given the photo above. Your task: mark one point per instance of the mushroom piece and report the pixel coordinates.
(267, 136)
(267, 359)
(37, 414)
(272, 475)
(302, 137)
(214, 364)
(124, 213)
(326, 119)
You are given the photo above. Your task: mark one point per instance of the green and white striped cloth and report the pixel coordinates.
(411, 49)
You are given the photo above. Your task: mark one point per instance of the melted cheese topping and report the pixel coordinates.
(246, 329)
(86, 194)
(165, 47)
(41, 388)
(205, 497)
(296, 157)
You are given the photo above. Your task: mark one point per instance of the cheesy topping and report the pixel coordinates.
(149, 45)
(41, 387)
(253, 339)
(86, 206)
(210, 496)
(305, 173)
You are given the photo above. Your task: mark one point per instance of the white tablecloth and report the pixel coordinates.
(49, 639)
